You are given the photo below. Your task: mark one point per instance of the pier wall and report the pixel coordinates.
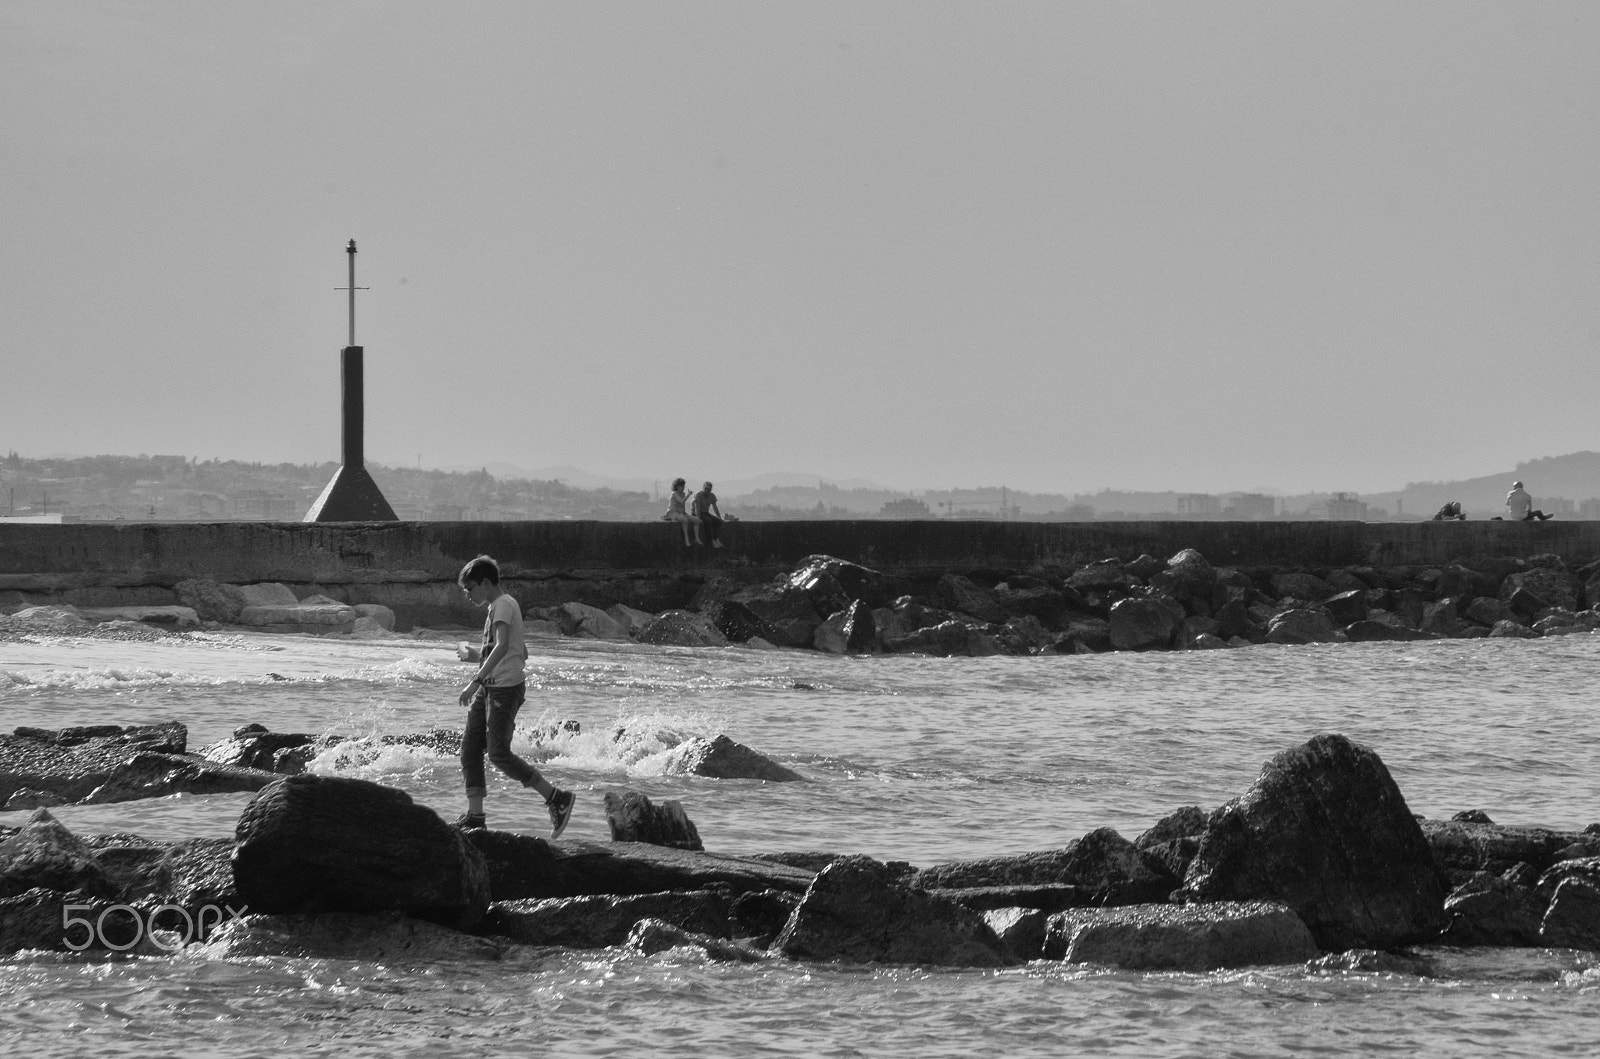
(411, 566)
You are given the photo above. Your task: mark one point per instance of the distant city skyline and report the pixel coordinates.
(1234, 246)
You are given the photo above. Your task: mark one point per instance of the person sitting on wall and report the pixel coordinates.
(1520, 505)
(1450, 512)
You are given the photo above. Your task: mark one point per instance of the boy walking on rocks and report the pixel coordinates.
(493, 698)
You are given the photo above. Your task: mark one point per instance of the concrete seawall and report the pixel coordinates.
(411, 566)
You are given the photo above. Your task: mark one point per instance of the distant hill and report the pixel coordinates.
(1574, 477)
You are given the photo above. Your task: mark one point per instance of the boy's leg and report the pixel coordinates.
(473, 742)
(503, 706)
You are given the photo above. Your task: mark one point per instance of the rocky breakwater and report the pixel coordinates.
(1182, 602)
(1320, 863)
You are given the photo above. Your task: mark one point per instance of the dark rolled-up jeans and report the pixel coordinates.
(490, 721)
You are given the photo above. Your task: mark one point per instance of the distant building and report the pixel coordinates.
(909, 507)
(1342, 507)
(1555, 505)
(1251, 506)
(1199, 505)
(1590, 508)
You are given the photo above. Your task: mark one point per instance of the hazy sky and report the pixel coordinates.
(1056, 246)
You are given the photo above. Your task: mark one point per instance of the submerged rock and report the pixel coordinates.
(723, 758)
(600, 921)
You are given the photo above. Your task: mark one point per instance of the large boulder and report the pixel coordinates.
(1143, 622)
(1325, 830)
(1555, 588)
(1180, 937)
(1493, 910)
(313, 843)
(856, 910)
(1297, 584)
(849, 631)
(827, 579)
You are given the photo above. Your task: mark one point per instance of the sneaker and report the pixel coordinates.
(472, 822)
(560, 806)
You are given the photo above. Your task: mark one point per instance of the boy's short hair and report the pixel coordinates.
(482, 568)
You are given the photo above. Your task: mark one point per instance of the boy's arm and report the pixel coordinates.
(502, 644)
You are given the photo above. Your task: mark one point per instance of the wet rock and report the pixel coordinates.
(1442, 618)
(679, 628)
(1301, 625)
(1100, 576)
(212, 601)
(1325, 830)
(1347, 607)
(381, 937)
(1384, 626)
(252, 746)
(1142, 622)
(521, 866)
(828, 579)
(330, 844)
(1372, 961)
(1180, 937)
(1020, 930)
(1190, 574)
(651, 936)
(43, 853)
(171, 618)
(634, 818)
(633, 619)
(1492, 910)
(856, 911)
(376, 612)
(148, 775)
(1296, 584)
(1102, 866)
(1513, 630)
(1486, 610)
(738, 622)
(1174, 839)
(905, 616)
(600, 921)
(961, 595)
(594, 623)
(1465, 848)
(106, 763)
(1573, 919)
(1556, 588)
(761, 914)
(849, 631)
(724, 759)
(950, 638)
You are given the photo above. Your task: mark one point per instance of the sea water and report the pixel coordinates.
(906, 758)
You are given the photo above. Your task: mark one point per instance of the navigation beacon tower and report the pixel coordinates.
(351, 495)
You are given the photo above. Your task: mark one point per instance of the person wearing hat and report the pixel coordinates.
(1520, 505)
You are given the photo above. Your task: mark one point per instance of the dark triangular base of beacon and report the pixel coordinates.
(351, 496)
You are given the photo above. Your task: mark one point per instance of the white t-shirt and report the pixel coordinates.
(1519, 503)
(512, 669)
